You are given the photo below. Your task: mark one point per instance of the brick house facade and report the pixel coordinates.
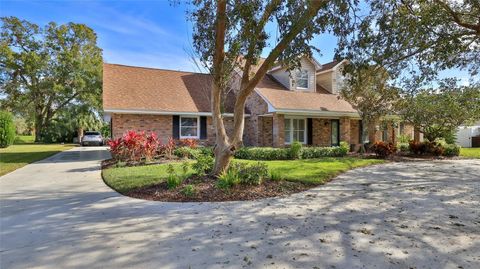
(300, 106)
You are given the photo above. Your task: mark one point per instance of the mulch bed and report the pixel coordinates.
(112, 162)
(207, 191)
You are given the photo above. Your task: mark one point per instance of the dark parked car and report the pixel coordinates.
(92, 139)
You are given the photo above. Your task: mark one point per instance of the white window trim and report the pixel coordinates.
(308, 81)
(291, 129)
(180, 128)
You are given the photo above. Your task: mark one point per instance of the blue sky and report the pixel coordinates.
(149, 33)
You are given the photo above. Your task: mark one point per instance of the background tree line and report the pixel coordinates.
(51, 77)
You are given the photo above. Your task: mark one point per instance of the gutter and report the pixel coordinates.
(159, 112)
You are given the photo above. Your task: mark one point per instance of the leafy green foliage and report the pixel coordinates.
(415, 40)
(438, 113)
(243, 173)
(186, 152)
(230, 36)
(189, 190)
(203, 165)
(403, 138)
(7, 129)
(44, 70)
(403, 147)
(228, 178)
(262, 153)
(368, 90)
(275, 176)
(296, 150)
(250, 174)
(319, 152)
(266, 153)
(173, 180)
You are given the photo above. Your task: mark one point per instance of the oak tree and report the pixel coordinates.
(44, 70)
(230, 36)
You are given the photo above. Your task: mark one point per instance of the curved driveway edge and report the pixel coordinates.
(58, 213)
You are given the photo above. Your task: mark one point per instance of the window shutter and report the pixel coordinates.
(203, 127)
(309, 131)
(176, 127)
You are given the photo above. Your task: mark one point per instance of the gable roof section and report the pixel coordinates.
(283, 100)
(148, 89)
(330, 66)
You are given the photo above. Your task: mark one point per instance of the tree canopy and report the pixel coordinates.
(44, 70)
(368, 90)
(230, 36)
(437, 113)
(416, 39)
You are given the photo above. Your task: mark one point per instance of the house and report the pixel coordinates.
(468, 136)
(304, 106)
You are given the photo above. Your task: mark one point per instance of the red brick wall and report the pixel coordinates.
(255, 106)
(321, 133)
(266, 134)
(159, 124)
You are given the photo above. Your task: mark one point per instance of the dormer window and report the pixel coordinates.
(302, 80)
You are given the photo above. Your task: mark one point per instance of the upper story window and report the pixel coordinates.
(302, 79)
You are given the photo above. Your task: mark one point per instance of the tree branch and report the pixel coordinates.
(457, 18)
(249, 86)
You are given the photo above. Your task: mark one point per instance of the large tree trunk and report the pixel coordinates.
(38, 127)
(223, 156)
(80, 135)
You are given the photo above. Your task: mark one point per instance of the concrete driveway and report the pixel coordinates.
(57, 213)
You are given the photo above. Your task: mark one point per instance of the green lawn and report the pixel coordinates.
(314, 171)
(470, 152)
(25, 152)
(124, 179)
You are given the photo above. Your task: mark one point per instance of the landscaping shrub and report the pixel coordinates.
(7, 129)
(208, 151)
(228, 178)
(173, 180)
(433, 148)
(189, 190)
(383, 149)
(417, 147)
(404, 138)
(203, 165)
(263, 153)
(451, 150)
(403, 147)
(188, 142)
(267, 153)
(168, 148)
(185, 166)
(252, 174)
(242, 173)
(296, 150)
(134, 146)
(344, 148)
(439, 147)
(318, 152)
(187, 152)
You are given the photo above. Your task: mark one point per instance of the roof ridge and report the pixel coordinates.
(154, 68)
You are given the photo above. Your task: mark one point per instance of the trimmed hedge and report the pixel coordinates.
(263, 153)
(7, 129)
(267, 153)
